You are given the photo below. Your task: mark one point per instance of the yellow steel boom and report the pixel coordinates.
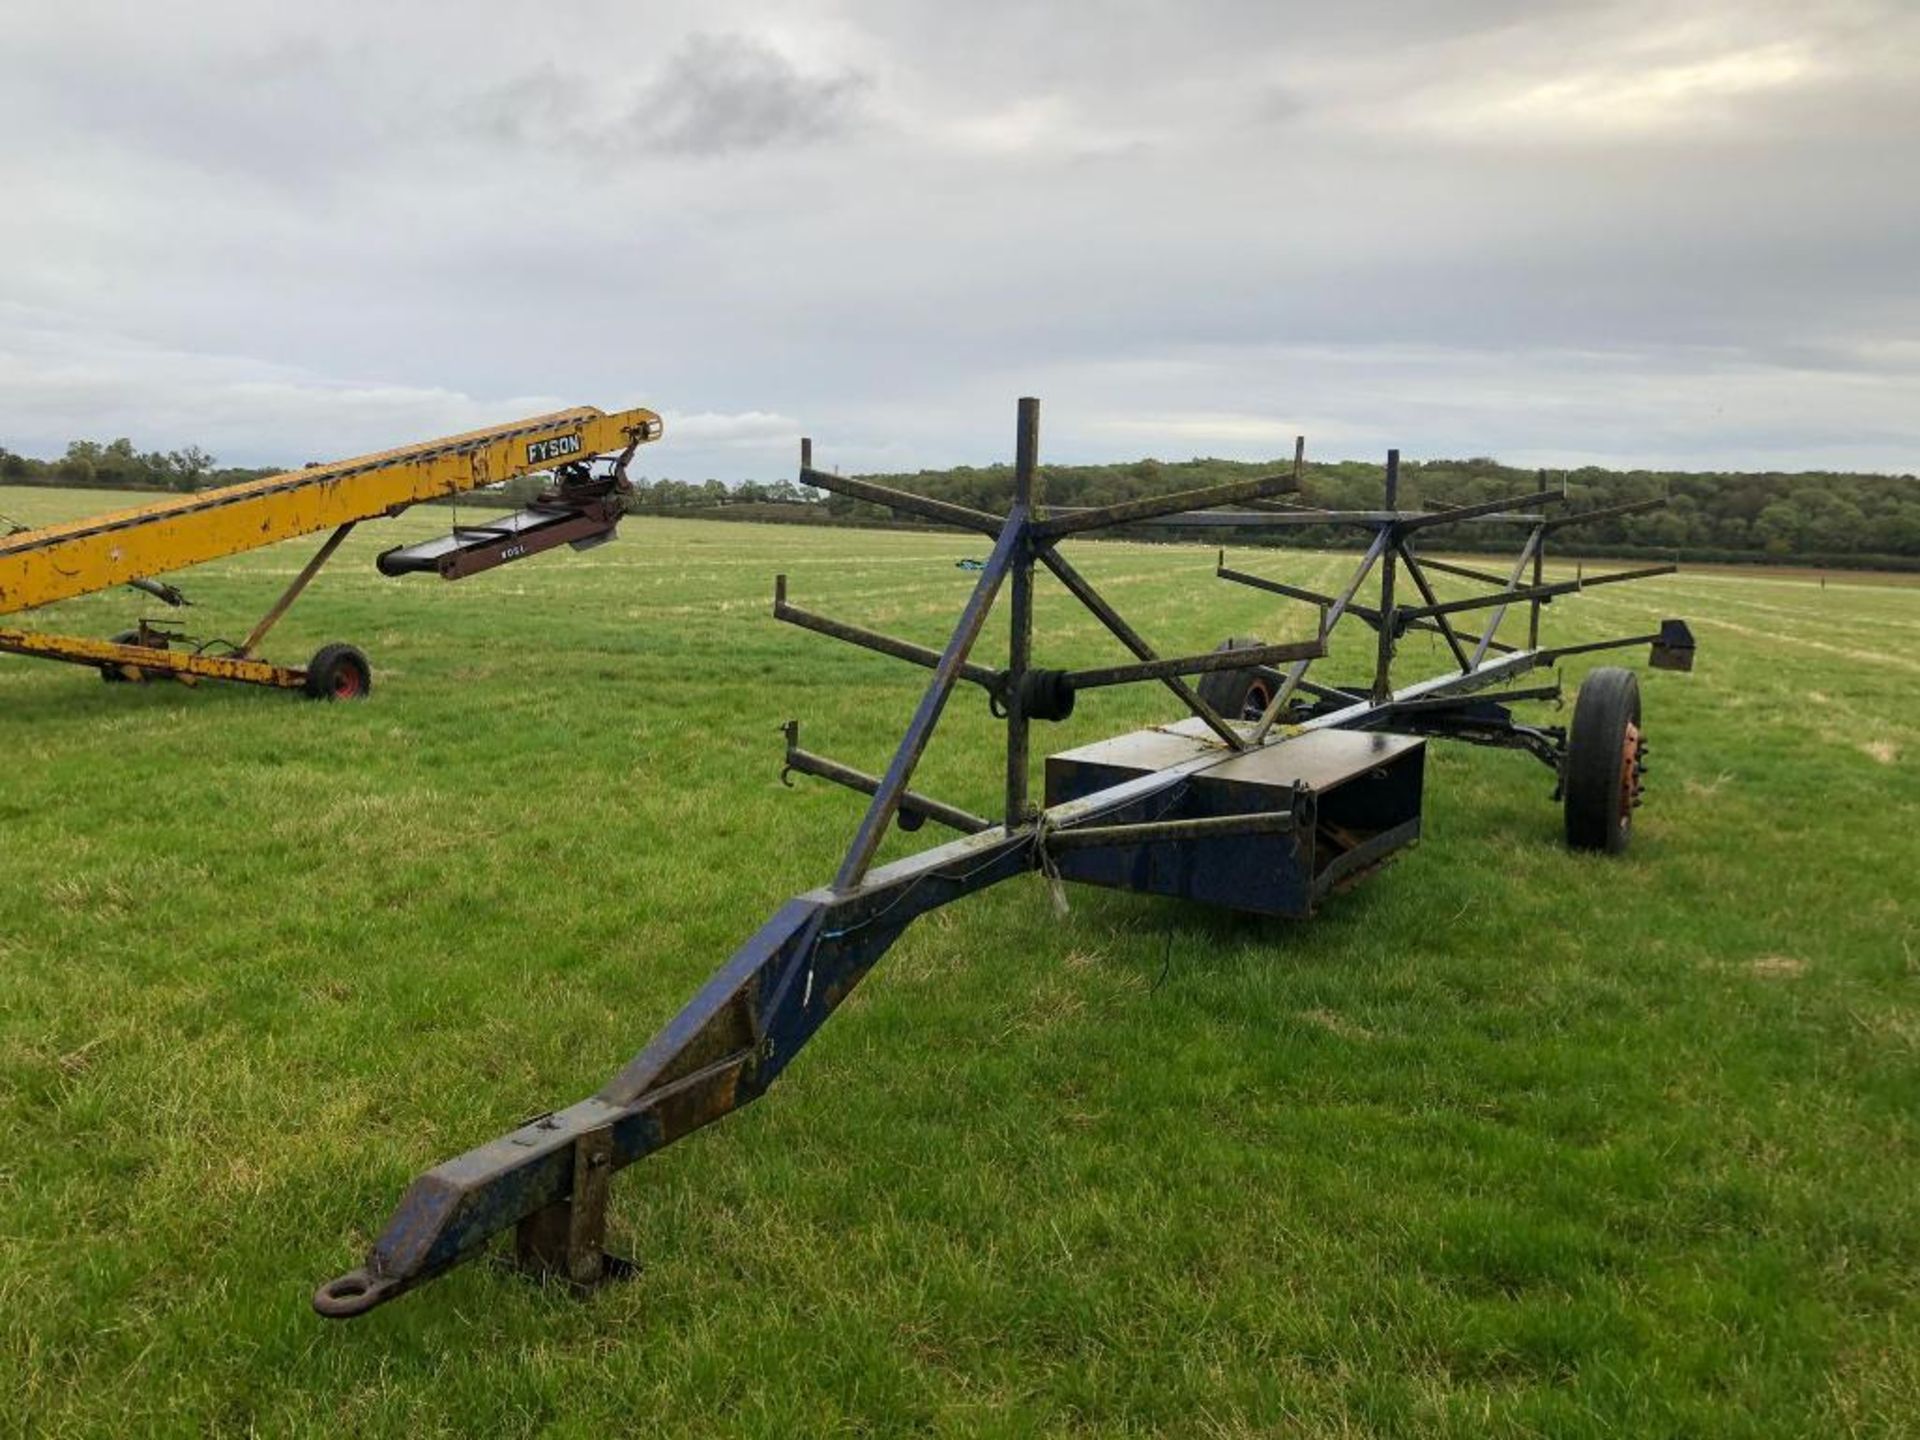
(58, 562)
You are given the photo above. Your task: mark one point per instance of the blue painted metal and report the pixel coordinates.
(1344, 790)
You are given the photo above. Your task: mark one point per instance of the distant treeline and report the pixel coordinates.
(1814, 517)
(116, 465)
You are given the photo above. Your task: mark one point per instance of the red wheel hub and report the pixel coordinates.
(1631, 769)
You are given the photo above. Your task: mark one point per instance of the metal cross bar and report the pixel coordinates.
(1083, 591)
(1246, 659)
(1420, 582)
(1086, 837)
(943, 512)
(1382, 538)
(886, 800)
(1275, 587)
(1499, 697)
(1606, 512)
(989, 679)
(1448, 567)
(806, 762)
(1366, 613)
(292, 592)
(1513, 579)
(1485, 510)
(1153, 507)
(1537, 592)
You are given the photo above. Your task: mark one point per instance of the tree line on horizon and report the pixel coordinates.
(1822, 517)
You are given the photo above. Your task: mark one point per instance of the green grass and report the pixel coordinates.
(1510, 1141)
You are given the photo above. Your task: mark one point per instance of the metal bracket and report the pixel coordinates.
(567, 1239)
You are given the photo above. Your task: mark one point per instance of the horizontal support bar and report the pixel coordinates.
(77, 650)
(1082, 590)
(1376, 519)
(1212, 827)
(1152, 507)
(1557, 652)
(1501, 697)
(1606, 512)
(1485, 510)
(944, 512)
(1481, 602)
(1367, 613)
(1330, 692)
(1213, 660)
(1276, 587)
(1533, 592)
(806, 762)
(1465, 572)
(1369, 712)
(989, 679)
(1645, 572)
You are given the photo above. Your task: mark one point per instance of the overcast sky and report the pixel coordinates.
(1684, 233)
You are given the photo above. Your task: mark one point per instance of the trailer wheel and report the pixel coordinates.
(115, 674)
(1237, 694)
(339, 672)
(1603, 762)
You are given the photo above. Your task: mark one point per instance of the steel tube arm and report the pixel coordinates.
(1465, 572)
(1606, 512)
(1485, 510)
(1213, 660)
(1534, 592)
(911, 802)
(922, 655)
(1152, 507)
(1082, 590)
(943, 512)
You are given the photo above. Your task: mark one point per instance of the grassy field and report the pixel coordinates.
(1510, 1141)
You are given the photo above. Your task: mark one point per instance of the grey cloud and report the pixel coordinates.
(716, 95)
(721, 93)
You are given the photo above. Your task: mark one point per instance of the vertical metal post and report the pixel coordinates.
(1539, 565)
(1026, 455)
(565, 1240)
(1383, 664)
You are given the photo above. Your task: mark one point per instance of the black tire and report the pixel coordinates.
(113, 674)
(1603, 762)
(339, 672)
(1238, 694)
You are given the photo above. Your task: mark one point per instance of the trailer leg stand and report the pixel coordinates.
(566, 1240)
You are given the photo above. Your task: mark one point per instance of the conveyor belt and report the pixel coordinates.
(473, 548)
(57, 562)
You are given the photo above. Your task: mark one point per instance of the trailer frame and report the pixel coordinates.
(547, 1179)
